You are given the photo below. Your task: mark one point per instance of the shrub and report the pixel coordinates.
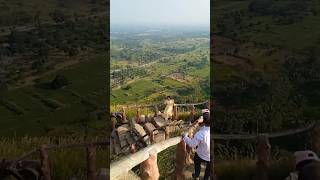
(52, 103)
(59, 82)
(12, 106)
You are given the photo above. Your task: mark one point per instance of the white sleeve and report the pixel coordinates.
(194, 142)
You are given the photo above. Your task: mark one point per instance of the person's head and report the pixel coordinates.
(209, 105)
(168, 97)
(310, 171)
(206, 118)
(304, 158)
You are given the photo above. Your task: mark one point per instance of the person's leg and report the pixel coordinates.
(197, 165)
(207, 171)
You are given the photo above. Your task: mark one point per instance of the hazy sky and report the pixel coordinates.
(170, 12)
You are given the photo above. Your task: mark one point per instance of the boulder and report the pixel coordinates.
(159, 121)
(122, 133)
(150, 128)
(141, 132)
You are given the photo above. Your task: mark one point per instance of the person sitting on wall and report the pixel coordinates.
(168, 111)
(201, 141)
(303, 158)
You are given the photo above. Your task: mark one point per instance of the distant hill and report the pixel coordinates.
(16, 12)
(265, 64)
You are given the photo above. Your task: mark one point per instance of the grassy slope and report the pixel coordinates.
(22, 133)
(294, 38)
(9, 9)
(86, 80)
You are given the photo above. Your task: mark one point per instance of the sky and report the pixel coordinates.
(158, 12)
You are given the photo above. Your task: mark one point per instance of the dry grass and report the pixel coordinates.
(65, 163)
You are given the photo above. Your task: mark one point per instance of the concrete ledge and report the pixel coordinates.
(125, 164)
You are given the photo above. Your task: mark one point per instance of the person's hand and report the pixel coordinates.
(184, 134)
(200, 120)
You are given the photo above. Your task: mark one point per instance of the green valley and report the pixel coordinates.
(148, 64)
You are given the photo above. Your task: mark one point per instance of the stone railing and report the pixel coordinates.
(148, 161)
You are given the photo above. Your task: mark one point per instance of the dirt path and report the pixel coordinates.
(190, 169)
(127, 83)
(140, 66)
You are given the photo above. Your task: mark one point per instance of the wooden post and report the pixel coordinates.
(151, 136)
(124, 118)
(175, 113)
(149, 168)
(209, 103)
(45, 164)
(167, 132)
(91, 163)
(315, 139)
(132, 123)
(189, 149)
(138, 115)
(212, 174)
(181, 154)
(113, 122)
(156, 109)
(188, 155)
(263, 152)
(192, 111)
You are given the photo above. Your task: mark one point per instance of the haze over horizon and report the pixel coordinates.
(160, 12)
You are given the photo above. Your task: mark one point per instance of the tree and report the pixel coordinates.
(58, 16)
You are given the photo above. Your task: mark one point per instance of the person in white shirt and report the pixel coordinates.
(201, 141)
(303, 158)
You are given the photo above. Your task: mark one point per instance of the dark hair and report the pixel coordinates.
(206, 118)
(310, 172)
(168, 97)
(302, 164)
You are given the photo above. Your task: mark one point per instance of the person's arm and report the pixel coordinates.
(193, 143)
(196, 122)
(164, 102)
